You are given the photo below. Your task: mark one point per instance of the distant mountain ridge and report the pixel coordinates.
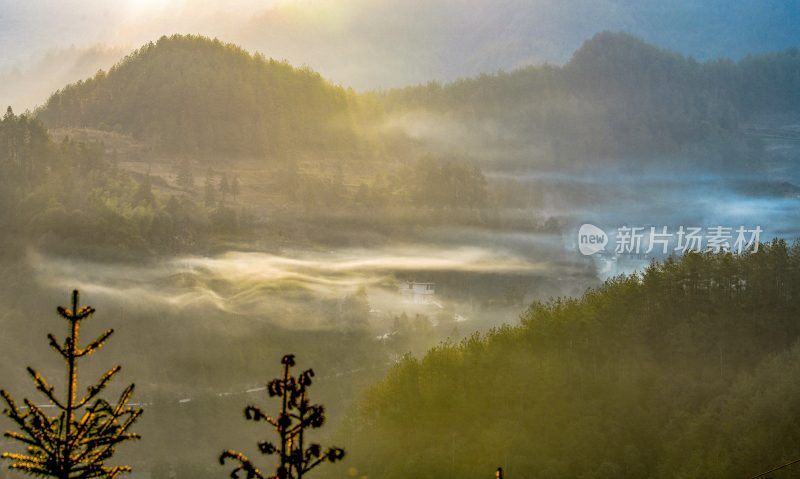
(393, 43)
(617, 96)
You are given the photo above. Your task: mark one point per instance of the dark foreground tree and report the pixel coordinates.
(296, 417)
(76, 443)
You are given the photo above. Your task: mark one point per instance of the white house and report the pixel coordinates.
(418, 293)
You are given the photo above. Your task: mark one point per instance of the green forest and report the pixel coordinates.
(685, 370)
(192, 95)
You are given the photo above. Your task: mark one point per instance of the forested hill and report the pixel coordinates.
(617, 96)
(190, 94)
(683, 371)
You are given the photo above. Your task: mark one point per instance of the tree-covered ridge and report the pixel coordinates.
(190, 94)
(682, 371)
(616, 96)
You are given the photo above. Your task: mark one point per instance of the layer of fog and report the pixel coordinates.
(256, 284)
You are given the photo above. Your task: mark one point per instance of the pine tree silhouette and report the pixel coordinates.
(297, 415)
(66, 446)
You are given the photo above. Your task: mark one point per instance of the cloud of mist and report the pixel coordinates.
(255, 283)
(28, 87)
(48, 44)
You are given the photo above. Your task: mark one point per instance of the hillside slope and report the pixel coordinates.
(190, 94)
(689, 370)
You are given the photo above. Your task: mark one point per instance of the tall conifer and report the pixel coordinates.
(77, 442)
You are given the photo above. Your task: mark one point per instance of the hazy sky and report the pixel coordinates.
(372, 43)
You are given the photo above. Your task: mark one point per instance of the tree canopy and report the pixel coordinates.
(191, 94)
(677, 372)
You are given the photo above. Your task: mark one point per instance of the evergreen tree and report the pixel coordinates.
(210, 191)
(296, 417)
(185, 175)
(77, 442)
(235, 187)
(224, 186)
(144, 192)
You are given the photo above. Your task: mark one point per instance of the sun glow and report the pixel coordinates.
(146, 6)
